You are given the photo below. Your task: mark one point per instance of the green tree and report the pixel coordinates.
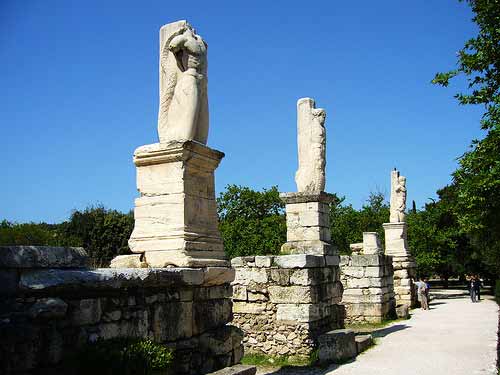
(435, 240)
(104, 233)
(478, 177)
(348, 224)
(251, 222)
(40, 234)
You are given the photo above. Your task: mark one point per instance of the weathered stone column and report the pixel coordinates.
(396, 244)
(286, 303)
(367, 278)
(307, 223)
(176, 214)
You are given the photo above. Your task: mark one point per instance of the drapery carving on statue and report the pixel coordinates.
(183, 110)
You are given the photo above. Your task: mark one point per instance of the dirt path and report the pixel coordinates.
(455, 337)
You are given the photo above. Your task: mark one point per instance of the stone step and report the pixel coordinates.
(363, 342)
(337, 346)
(236, 370)
(403, 311)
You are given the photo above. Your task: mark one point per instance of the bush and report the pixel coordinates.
(104, 233)
(251, 222)
(124, 356)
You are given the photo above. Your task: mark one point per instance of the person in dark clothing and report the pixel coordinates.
(477, 287)
(474, 288)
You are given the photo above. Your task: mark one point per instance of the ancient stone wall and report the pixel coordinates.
(368, 287)
(283, 303)
(47, 313)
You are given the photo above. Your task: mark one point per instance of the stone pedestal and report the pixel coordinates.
(396, 245)
(176, 215)
(284, 303)
(308, 223)
(368, 288)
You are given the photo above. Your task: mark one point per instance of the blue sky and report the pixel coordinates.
(80, 92)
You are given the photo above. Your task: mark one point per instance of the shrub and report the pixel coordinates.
(125, 356)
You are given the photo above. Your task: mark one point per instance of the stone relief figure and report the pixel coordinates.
(183, 111)
(398, 198)
(311, 139)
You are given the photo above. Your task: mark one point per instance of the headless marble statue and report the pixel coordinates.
(398, 198)
(183, 112)
(311, 139)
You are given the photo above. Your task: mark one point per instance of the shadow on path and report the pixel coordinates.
(388, 330)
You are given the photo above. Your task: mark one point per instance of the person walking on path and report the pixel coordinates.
(427, 291)
(475, 288)
(422, 294)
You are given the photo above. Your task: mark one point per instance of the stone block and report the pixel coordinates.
(306, 276)
(403, 311)
(336, 346)
(332, 260)
(239, 293)
(237, 262)
(357, 272)
(263, 261)
(280, 276)
(257, 297)
(85, 311)
(363, 342)
(248, 308)
(109, 278)
(42, 257)
(299, 261)
(300, 313)
(313, 247)
(48, 308)
(396, 239)
(293, 294)
(246, 276)
(362, 260)
(374, 271)
(211, 314)
(218, 276)
(371, 243)
(128, 261)
(364, 309)
(320, 198)
(363, 298)
(173, 321)
(401, 274)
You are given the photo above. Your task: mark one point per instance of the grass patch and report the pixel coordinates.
(374, 326)
(264, 360)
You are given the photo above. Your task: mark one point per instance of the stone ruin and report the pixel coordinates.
(367, 277)
(176, 288)
(396, 244)
(290, 304)
(53, 304)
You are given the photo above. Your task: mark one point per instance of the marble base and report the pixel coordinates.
(176, 215)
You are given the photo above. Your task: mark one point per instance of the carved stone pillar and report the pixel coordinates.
(176, 215)
(308, 223)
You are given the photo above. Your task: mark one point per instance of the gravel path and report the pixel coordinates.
(455, 337)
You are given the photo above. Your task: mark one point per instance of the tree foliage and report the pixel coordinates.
(104, 233)
(477, 179)
(251, 222)
(437, 243)
(348, 224)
